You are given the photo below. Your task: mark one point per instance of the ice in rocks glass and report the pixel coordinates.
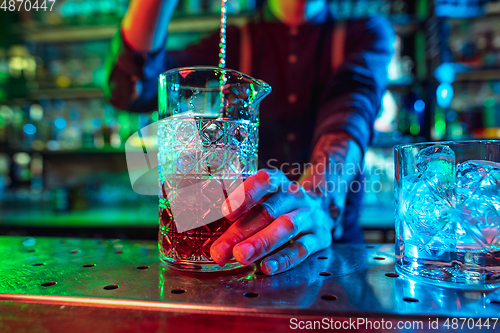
(447, 198)
(207, 146)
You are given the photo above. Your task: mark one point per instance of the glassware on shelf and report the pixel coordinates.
(475, 43)
(459, 8)
(474, 111)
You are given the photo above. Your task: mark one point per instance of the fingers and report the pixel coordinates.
(294, 254)
(259, 217)
(253, 189)
(276, 234)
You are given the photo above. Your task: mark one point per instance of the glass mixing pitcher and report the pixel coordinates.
(207, 146)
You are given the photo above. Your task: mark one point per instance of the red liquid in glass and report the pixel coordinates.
(191, 245)
(196, 216)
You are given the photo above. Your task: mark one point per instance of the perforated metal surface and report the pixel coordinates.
(347, 280)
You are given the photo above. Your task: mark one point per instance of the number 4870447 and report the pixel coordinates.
(27, 5)
(470, 323)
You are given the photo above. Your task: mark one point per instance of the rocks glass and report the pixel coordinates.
(447, 198)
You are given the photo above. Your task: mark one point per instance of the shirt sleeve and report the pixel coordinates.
(132, 76)
(354, 91)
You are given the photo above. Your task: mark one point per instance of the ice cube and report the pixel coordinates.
(437, 163)
(429, 200)
(478, 178)
(478, 201)
(427, 211)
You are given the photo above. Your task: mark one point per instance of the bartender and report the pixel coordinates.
(328, 78)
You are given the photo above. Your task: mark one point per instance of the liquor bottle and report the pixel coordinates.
(6, 115)
(36, 173)
(97, 130)
(16, 130)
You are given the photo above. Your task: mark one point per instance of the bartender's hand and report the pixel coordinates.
(273, 212)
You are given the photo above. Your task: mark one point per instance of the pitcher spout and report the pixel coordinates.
(211, 92)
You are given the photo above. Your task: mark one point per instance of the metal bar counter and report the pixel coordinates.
(116, 286)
